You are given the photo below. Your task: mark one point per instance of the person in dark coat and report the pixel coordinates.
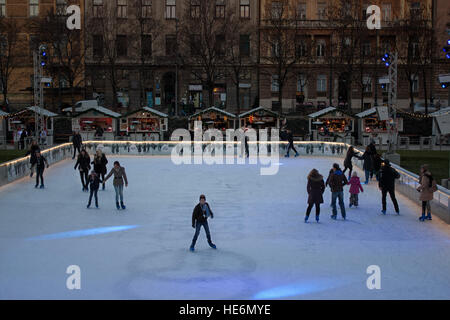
(94, 185)
(200, 218)
(23, 135)
(348, 160)
(337, 180)
(84, 165)
(290, 139)
(377, 165)
(32, 153)
(100, 163)
(41, 163)
(368, 163)
(77, 142)
(387, 184)
(315, 188)
(373, 152)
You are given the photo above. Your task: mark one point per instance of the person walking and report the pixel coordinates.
(84, 165)
(94, 185)
(387, 185)
(119, 177)
(77, 142)
(290, 139)
(315, 189)
(32, 153)
(200, 215)
(100, 163)
(426, 188)
(41, 163)
(355, 187)
(23, 136)
(368, 164)
(348, 160)
(337, 180)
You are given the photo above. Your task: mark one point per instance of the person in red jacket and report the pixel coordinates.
(355, 187)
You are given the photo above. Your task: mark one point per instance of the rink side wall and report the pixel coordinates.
(406, 185)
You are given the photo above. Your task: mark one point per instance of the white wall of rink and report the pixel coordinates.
(407, 184)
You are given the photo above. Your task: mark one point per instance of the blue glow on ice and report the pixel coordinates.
(296, 289)
(82, 233)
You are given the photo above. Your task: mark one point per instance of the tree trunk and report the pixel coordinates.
(425, 90)
(238, 98)
(280, 97)
(411, 96)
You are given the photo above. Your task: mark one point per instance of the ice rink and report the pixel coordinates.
(265, 250)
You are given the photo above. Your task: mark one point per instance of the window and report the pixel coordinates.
(415, 10)
(321, 10)
(386, 12)
(276, 49)
(367, 82)
(97, 45)
(244, 9)
(146, 8)
(61, 6)
(171, 45)
(366, 47)
(301, 48)
(220, 44)
(385, 46)
(413, 49)
(301, 11)
(195, 43)
(220, 9)
(301, 82)
(122, 9)
(98, 8)
(415, 83)
(2, 8)
(195, 9)
(146, 45)
(277, 10)
(34, 8)
(321, 83)
(244, 45)
(320, 49)
(121, 46)
(364, 11)
(275, 87)
(170, 9)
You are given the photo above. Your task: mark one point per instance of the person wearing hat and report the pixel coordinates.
(387, 185)
(200, 215)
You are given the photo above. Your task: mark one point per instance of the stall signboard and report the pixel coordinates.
(75, 124)
(383, 113)
(443, 122)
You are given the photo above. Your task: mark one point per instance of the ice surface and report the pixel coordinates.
(265, 250)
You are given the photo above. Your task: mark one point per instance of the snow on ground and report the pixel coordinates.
(265, 250)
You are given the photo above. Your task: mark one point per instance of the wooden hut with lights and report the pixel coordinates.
(144, 124)
(213, 118)
(89, 120)
(260, 118)
(331, 123)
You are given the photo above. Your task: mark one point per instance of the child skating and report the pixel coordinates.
(200, 218)
(94, 184)
(355, 187)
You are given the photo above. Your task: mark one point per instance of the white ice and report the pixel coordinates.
(265, 250)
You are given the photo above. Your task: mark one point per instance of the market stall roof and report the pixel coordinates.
(256, 110)
(3, 114)
(34, 109)
(322, 112)
(151, 110)
(98, 109)
(213, 109)
(366, 113)
(441, 112)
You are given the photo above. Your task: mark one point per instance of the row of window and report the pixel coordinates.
(33, 7)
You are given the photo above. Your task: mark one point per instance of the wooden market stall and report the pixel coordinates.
(144, 124)
(213, 118)
(98, 123)
(331, 124)
(26, 119)
(371, 127)
(260, 118)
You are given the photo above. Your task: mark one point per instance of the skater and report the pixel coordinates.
(348, 160)
(200, 218)
(119, 177)
(377, 165)
(41, 163)
(84, 165)
(77, 142)
(426, 188)
(315, 188)
(355, 187)
(337, 180)
(387, 185)
(368, 164)
(373, 152)
(32, 152)
(290, 139)
(94, 184)
(100, 163)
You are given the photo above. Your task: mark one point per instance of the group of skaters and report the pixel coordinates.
(373, 165)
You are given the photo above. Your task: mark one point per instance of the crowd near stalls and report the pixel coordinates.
(374, 125)
(213, 118)
(259, 118)
(21, 126)
(144, 124)
(95, 122)
(331, 124)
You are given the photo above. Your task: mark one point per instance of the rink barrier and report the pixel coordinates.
(407, 184)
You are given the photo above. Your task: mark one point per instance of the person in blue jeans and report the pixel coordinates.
(200, 215)
(119, 177)
(336, 181)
